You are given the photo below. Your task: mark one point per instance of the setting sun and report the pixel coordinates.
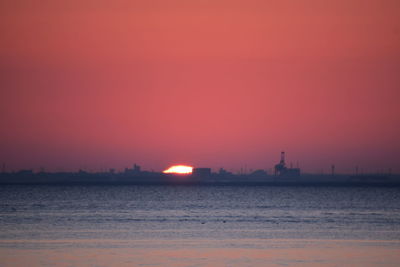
(180, 169)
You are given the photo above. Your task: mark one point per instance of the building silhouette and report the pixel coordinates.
(282, 170)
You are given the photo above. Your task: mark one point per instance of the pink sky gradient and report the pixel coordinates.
(100, 84)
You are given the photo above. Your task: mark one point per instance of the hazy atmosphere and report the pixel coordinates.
(100, 84)
(200, 133)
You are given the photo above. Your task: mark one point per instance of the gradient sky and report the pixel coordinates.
(97, 84)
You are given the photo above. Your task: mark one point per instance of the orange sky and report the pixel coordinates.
(99, 84)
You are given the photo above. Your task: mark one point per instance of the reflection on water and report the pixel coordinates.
(199, 225)
(237, 252)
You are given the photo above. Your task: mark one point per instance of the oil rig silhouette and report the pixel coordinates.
(282, 170)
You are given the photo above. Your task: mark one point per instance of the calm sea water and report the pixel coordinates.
(196, 212)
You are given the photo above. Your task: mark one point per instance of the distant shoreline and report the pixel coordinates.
(264, 184)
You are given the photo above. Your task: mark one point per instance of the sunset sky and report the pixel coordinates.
(97, 84)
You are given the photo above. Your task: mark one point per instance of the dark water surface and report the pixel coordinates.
(197, 212)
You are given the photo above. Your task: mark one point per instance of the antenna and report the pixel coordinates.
(282, 158)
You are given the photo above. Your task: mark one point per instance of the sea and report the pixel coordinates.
(203, 225)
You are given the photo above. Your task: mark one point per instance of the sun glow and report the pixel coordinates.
(180, 169)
